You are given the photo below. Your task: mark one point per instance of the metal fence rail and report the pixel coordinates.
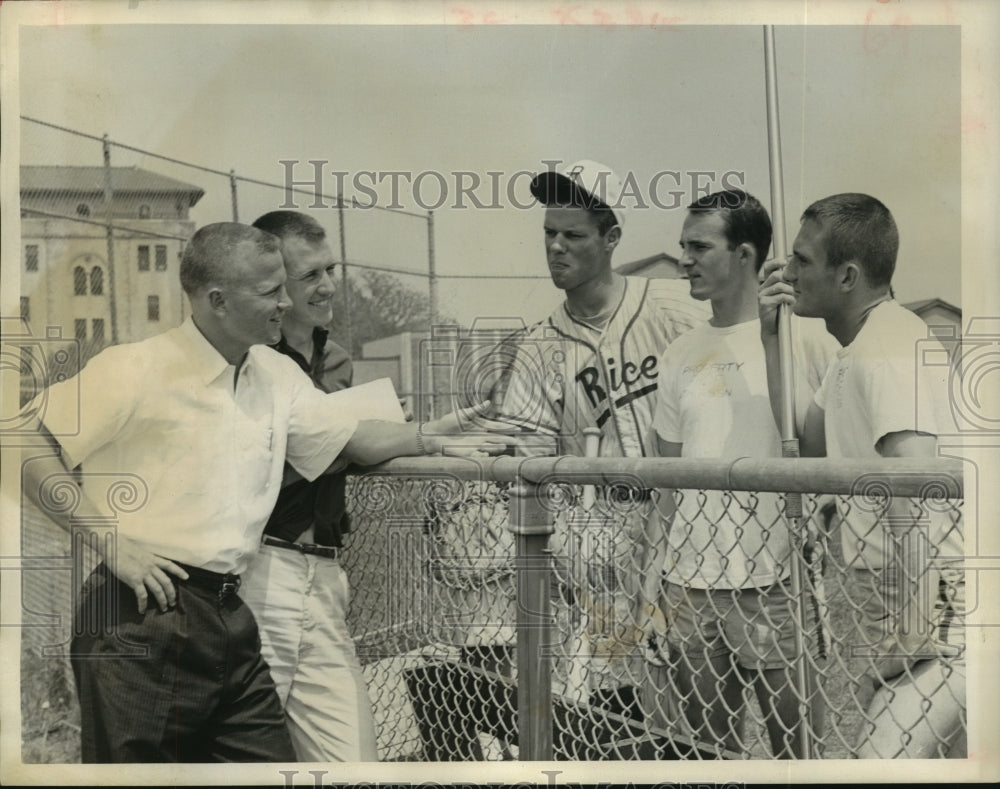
(500, 612)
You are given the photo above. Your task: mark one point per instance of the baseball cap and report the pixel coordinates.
(586, 183)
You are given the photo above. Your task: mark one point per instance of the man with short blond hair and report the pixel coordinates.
(200, 421)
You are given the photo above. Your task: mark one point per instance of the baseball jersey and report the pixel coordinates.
(568, 375)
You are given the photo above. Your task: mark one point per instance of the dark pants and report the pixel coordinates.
(188, 685)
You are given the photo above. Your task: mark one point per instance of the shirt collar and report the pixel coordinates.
(319, 337)
(206, 362)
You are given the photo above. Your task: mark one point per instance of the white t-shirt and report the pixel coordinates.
(182, 455)
(713, 399)
(875, 386)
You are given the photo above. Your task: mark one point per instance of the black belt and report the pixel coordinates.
(323, 551)
(223, 584)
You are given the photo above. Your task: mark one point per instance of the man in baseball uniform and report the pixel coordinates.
(593, 363)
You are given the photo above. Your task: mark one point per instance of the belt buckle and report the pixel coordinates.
(230, 586)
(331, 552)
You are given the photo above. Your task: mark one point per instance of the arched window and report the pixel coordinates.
(144, 211)
(79, 281)
(96, 281)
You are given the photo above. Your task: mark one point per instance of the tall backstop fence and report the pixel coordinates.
(120, 215)
(599, 609)
(104, 224)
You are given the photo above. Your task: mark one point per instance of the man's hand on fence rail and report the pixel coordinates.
(465, 420)
(466, 432)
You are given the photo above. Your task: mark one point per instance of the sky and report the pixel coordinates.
(862, 109)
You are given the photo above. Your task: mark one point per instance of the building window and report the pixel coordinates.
(97, 326)
(153, 308)
(96, 281)
(25, 308)
(31, 257)
(83, 210)
(144, 211)
(143, 257)
(161, 257)
(79, 281)
(80, 328)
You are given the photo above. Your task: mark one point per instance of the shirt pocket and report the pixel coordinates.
(255, 454)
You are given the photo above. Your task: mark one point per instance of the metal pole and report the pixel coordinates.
(532, 525)
(345, 287)
(432, 311)
(789, 440)
(780, 237)
(233, 195)
(108, 197)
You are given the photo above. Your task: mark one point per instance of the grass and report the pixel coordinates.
(50, 728)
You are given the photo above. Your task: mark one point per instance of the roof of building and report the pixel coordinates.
(89, 180)
(925, 305)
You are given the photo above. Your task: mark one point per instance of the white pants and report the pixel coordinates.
(300, 603)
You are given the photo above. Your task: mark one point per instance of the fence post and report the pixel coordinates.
(432, 299)
(108, 197)
(233, 195)
(532, 525)
(346, 298)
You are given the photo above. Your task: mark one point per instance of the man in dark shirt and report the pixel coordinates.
(296, 578)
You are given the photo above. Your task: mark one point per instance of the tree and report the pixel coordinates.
(380, 306)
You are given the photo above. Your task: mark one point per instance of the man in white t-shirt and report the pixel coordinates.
(726, 555)
(878, 401)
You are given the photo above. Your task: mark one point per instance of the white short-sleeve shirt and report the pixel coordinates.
(196, 450)
(713, 400)
(875, 386)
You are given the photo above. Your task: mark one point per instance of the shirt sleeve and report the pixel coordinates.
(903, 396)
(815, 350)
(318, 428)
(679, 311)
(531, 395)
(88, 411)
(666, 418)
(338, 371)
(822, 393)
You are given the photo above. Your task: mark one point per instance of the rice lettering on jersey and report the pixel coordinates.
(626, 377)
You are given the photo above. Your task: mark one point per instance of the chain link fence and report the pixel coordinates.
(699, 673)
(497, 619)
